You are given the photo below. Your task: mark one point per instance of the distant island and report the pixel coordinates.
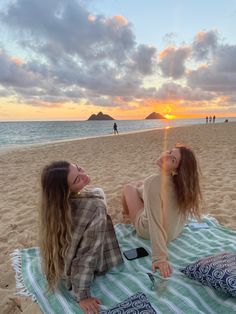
(155, 115)
(100, 116)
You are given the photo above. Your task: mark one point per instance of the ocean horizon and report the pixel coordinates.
(16, 134)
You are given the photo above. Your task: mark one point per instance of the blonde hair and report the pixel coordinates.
(55, 220)
(187, 185)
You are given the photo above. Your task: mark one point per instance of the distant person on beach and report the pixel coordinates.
(214, 118)
(77, 238)
(160, 206)
(115, 129)
(210, 118)
(206, 119)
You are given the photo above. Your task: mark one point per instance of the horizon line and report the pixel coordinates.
(85, 120)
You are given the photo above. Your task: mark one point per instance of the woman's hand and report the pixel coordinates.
(164, 267)
(90, 305)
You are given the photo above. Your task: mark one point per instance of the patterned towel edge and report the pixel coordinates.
(17, 266)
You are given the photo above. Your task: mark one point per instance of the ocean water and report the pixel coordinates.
(18, 134)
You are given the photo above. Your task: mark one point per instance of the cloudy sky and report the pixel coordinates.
(67, 59)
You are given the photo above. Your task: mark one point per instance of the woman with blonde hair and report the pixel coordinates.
(77, 238)
(160, 206)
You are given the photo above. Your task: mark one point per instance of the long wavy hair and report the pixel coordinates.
(187, 185)
(55, 228)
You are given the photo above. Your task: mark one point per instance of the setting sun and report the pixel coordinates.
(169, 116)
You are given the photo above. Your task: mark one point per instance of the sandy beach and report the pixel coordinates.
(111, 162)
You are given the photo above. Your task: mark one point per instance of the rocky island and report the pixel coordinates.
(155, 115)
(100, 116)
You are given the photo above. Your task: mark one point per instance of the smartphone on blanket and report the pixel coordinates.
(135, 253)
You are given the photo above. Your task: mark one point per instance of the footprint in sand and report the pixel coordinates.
(233, 196)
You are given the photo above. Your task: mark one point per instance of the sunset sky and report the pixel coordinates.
(67, 59)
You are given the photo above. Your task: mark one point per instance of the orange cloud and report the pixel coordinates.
(17, 60)
(166, 51)
(46, 104)
(202, 66)
(120, 19)
(200, 35)
(91, 18)
(222, 99)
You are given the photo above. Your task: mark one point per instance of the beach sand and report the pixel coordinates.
(111, 162)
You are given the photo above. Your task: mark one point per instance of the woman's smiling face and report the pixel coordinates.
(169, 161)
(77, 178)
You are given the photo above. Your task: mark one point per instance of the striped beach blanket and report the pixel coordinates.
(178, 294)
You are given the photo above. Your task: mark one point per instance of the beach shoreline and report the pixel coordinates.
(29, 137)
(111, 161)
(7, 149)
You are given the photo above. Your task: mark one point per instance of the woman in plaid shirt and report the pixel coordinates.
(77, 238)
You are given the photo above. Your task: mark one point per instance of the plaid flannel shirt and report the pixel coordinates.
(94, 248)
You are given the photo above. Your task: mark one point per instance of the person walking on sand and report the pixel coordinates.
(160, 206)
(206, 119)
(115, 128)
(214, 118)
(77, 237)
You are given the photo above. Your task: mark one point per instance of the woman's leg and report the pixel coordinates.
(125, 210)
(131, 201)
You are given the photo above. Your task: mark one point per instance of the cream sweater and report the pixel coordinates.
(160, 220)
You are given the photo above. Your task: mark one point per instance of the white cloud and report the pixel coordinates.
(172, 61)
(15, 74)
(144, 60)
(205, 44)
(173, 91)
(220, 74)
(75, 55)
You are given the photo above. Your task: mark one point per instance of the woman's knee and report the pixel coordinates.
(127, 188)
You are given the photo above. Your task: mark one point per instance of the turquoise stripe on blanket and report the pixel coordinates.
(178, 294)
